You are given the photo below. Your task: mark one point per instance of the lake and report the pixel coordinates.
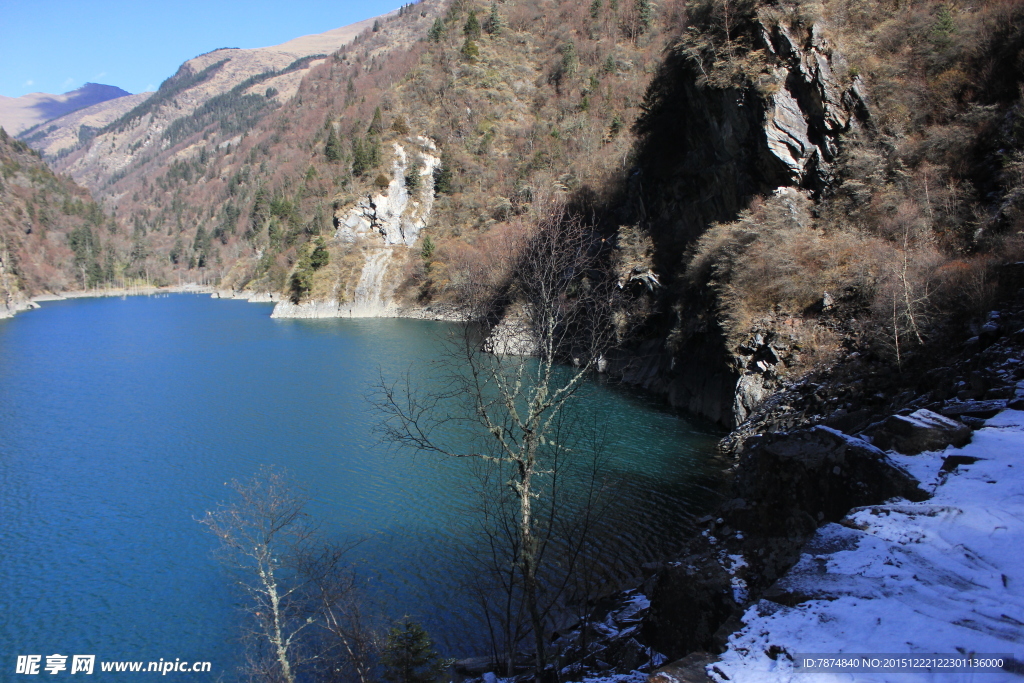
(121, 420)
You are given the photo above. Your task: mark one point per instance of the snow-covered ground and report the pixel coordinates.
(942, 576)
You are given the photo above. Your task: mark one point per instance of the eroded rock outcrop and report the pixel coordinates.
(395, 215)
(385, 226)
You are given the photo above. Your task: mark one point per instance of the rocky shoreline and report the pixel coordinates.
(851, 467)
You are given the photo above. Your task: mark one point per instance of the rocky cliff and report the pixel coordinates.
(383, 228)
(706, 152)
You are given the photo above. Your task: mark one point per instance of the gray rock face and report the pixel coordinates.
(786, 130)
(810, 107)
(706, 153)
(513, 336)
(750, 392)
(395, 215)
(921, 431)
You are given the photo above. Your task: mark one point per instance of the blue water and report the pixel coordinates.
(122, 419)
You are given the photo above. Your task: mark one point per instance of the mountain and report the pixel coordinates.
(213, 173)
(18, 114)
(782, 184)
(58, 137)
(231, 77)
(50, 230)
(811, 215)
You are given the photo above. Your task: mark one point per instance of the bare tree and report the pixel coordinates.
(302, 600)
(510, 377)
(569, 505)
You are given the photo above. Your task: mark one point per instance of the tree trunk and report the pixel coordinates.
(530, 565)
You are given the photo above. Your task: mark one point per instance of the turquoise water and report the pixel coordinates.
(122, 419)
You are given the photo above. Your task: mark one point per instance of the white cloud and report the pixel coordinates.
(150, 87)
(101, 74)
(68, 81)
(30, 82)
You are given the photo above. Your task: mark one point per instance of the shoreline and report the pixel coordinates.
(283, 309)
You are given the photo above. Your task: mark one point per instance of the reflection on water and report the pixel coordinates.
(121, 420)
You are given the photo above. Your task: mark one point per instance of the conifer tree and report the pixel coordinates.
(494, 24)
(320, 256)
(443, 176)
(436, 31)
(472, 27)
(643, 14)
(373, 151)
(413, 176)
(360, 160)
(332, 149)
(427, 252)
(409, 655)
(377, 124)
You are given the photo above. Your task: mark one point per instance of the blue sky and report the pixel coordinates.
(57, 45)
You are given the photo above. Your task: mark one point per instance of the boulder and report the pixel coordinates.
(921, 431)
(1017, 402)
(980, 409)
(514, 335)
(690, 669)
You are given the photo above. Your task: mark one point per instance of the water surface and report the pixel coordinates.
(122, 419)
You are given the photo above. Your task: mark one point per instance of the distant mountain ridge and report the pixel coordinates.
(18, 114)
(225, 78)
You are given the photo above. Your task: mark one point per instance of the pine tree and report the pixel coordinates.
(409, 655)
(472, 27)
(494, 25)
(427, 252)
(320, 257)
(436, 31)
(360, 161)
(376, 25)
(377, 124)
(373, 151)
(413, 176)
(643, 13)
(332, 149)
(443, 176)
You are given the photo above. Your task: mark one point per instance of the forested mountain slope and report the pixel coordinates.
(784, 184)
(51, 231)
(518, 103)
